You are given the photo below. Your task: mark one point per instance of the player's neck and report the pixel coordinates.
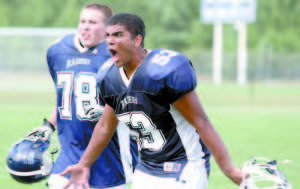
(87, 47)
(136, 62)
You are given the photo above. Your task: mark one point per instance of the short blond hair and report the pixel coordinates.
(105, 9)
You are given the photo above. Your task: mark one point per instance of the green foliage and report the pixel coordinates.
(174, 24)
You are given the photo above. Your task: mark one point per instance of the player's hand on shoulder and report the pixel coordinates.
(79, 176)
(93, 111)
(44, 132)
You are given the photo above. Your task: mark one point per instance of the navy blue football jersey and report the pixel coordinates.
(73, 69)
(144, 102)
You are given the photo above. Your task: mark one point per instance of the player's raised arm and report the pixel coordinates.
(191, 109)
(102, 134)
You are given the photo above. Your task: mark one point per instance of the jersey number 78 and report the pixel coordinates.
(83, 85)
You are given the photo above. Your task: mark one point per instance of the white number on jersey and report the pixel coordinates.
(150, 137)
(163, 57)
(84, 88)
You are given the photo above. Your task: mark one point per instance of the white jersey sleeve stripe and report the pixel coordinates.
(188, 136)
(124, 141)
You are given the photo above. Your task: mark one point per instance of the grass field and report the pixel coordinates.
(254, 120)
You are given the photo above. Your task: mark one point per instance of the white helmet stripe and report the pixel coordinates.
(31, 173)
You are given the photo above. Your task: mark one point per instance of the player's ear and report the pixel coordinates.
(138, 40)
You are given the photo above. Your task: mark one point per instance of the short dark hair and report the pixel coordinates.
(105, 9)
(133, 23)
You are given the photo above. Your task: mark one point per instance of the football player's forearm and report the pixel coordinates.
(220, 152)
(190, 107)
(216, 145)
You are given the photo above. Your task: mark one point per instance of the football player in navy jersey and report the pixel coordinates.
(73, 63)
(153, 93)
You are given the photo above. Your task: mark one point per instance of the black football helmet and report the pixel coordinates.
(28, 161)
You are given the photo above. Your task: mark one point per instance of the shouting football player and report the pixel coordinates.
(139, 88)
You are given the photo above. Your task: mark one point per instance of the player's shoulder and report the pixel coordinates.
(67, 39)
(175, 69)
(58, 44)
(102, 49)
(105, 70)
(165, 56)
(163, 61)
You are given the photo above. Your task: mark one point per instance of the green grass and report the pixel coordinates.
(261, 120)
(254, 120)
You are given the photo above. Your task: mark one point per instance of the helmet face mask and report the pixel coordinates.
(28, 161)
(261, 173)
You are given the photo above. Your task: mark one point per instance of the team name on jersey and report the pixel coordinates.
(77, 61)
(128, 100)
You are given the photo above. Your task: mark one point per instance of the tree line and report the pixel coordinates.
(173, 24)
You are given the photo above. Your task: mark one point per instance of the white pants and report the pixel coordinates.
(56, 181)
(194, 176)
